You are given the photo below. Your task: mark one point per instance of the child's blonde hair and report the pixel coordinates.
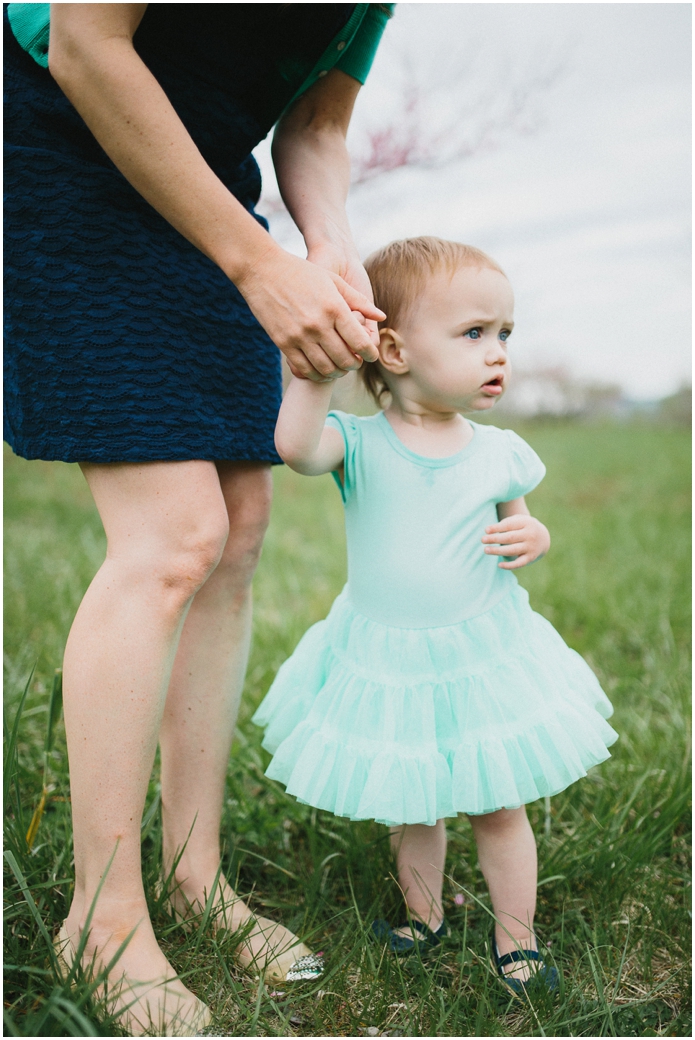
(399, 273)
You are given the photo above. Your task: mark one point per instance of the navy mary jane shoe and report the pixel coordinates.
(400, 945)
(542, 978)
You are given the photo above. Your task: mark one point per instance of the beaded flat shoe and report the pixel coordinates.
(309, 967)
(273, 951)
(400, 944)
(542, 976)
(265, 947)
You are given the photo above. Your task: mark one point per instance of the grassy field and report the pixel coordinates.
(614, 852)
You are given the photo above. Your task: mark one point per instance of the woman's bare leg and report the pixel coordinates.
(508, 860)
(166, 526)
(201, 709)
(420, 853)
(206, 684)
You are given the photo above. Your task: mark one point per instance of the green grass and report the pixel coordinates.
(614, 896)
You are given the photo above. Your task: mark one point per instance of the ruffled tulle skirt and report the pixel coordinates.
(404, 725)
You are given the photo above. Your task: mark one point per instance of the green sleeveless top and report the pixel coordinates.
(352, 50)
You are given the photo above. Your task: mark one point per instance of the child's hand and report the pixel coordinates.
(521, 536)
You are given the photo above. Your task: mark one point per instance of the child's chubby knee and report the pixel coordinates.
(499, 820)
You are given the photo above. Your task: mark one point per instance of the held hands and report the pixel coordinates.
(521, 536)
(307, 311)
(346, 263)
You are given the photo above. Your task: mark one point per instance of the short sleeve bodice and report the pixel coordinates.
(415, 524)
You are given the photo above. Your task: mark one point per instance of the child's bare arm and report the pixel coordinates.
(302, 439)
(517, 534)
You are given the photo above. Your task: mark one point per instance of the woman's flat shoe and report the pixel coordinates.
(280, 957)
(542, 976)
(128, 1001)
(401, 945)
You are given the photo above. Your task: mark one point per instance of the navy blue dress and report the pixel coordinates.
(124, 342)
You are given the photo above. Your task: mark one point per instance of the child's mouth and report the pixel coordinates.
(494, 386)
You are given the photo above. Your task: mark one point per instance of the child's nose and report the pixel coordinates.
(496, 352)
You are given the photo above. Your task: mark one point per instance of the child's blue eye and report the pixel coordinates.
(505, 334)
(473, 333)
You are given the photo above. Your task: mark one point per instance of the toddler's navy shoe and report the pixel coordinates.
(399, 944)
(542, 977)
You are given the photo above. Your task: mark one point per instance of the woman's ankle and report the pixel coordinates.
(191, 866)
(189, 895)
(117, 919)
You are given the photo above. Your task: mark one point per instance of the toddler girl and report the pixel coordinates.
(432, 688)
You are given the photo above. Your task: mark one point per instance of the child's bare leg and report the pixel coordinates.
(507, 854)
(420, 852)
(166, 527)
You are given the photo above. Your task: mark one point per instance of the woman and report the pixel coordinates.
(144, 299)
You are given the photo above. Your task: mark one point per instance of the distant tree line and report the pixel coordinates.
(549, 394)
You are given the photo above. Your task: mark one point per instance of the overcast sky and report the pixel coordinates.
(578, 116)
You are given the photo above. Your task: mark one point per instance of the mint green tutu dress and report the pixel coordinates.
(431, 688)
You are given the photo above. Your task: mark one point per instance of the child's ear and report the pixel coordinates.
(391, 352)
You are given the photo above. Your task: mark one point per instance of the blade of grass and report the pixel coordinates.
(268, 862)
(36, 819)
(10, 770)
(14, 866)
(72, 1014)
(55, 705)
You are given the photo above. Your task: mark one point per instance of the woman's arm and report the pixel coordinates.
(306, 311)
(517, 534)
(313, 170)
(302, 439)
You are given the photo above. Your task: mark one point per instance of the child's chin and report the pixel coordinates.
(476, 409)
(484, 404)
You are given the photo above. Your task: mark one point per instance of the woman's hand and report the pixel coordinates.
(307, 312)
(313, 170)
(521, 536)
(349, 267)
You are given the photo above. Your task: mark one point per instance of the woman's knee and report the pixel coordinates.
(189, 557)
(248, 496)
(166, 524)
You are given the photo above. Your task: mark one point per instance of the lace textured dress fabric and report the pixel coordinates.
(124, 342)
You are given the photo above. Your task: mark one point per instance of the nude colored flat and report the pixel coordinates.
(127, 1000)
(282, 957)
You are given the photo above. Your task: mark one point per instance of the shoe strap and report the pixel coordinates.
(427, 932)
(517, 955)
